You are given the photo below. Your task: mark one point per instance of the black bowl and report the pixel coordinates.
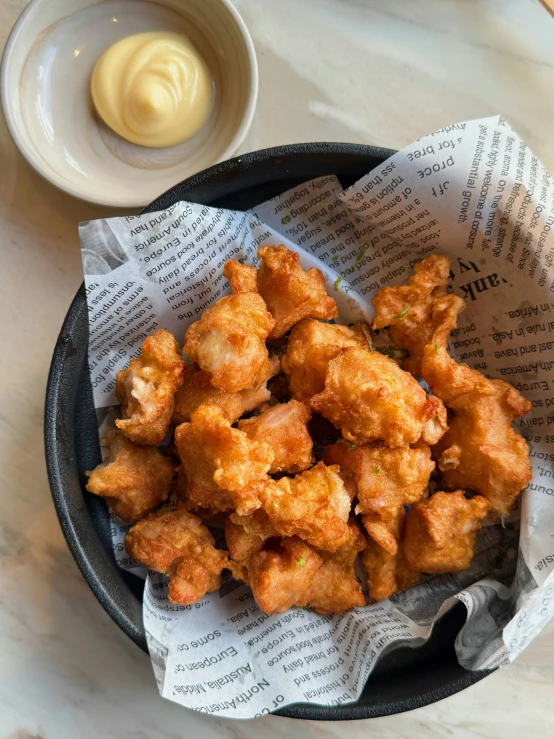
(405, 679)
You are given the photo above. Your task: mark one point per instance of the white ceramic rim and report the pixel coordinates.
(35, 162)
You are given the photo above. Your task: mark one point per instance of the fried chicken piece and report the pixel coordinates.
(383, 558)
(147, 387)
(312, 345)
(480, 451)
(246, 535)
(335, 588)
(243, 540)
(256, 523)
(279, 576)
(284, 427)
(440, 532)
(313, 506)
(242, 278)
(134, 479)
(367, 396)
(240, 543)
(198, 391)
(447, 378)
(191, 577)
(386, 479)
(207, 516)
(290, 292)
(382, 530)
(407, 309)
(228, 342)
(225, 470)
(178, 544)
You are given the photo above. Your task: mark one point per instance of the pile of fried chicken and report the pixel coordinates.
(243, 457)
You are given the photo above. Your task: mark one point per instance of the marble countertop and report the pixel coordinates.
(331, 70)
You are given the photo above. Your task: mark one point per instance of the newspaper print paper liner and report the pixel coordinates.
(472, 191)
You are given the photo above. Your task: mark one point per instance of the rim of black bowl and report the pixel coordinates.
(67, 361)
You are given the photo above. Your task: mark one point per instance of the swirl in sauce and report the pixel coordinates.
(153, 89)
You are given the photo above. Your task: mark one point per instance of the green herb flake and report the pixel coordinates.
(275, 504)
(337, 282)
(436, 348)
(285, 220)
(349, 444)
(403, 314)
(360, 256)
(360, 589)
(377, 470)
(368, 337)
(300, 562)
(330, 361)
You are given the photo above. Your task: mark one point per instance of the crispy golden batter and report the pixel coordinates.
(147, 387)
(245, 536)
(480, 451)
(197, 390)
(313, 506)
(224, 469)
(191, 577)
(179, 545)
(256, 523)
(280, 575)
(228, 342)
(312, 345)
(207, 516)
(334, 588)
(242, 278)
(240, 543)
(284, 427)
(367, 396)
(407, 309)
(386, 479)
(386, 567)
(447, 378)
(382, 530)
(134, 479)
(440, 532)
(290, 292)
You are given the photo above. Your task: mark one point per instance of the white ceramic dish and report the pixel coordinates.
(45, 89)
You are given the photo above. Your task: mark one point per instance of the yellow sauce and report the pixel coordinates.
(153, 89)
